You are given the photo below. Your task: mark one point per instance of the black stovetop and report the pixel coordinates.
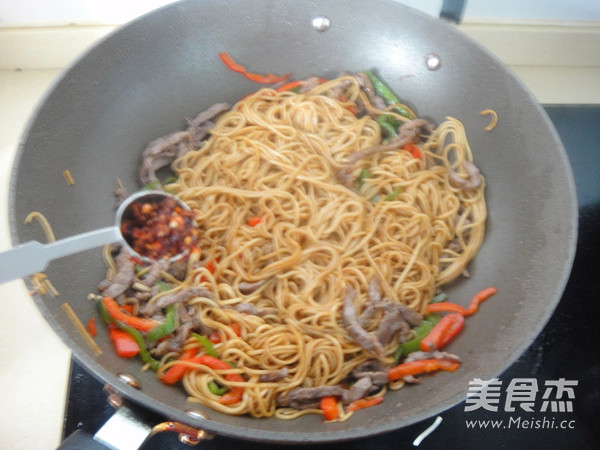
(568, 348)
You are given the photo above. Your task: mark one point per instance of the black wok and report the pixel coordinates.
(142, 80)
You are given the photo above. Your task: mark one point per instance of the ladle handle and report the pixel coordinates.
(33, 257)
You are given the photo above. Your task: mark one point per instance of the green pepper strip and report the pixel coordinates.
(162, 286)
(209, 348)
(441, 297)
(395, 193)
(165, 328)
(364, 174)
(388, 96)
(387, 126)
(144, 354)
(421, 331)
(139, 339)
(214, 388)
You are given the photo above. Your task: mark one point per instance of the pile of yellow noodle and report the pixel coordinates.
(276, 156)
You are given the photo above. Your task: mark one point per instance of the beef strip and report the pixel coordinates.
(166, 346)
(309, 84)
(199, 127)
(246, 288)
(471, 183)
(247, 308)
(161, 152)
(178, 269)
(391, 323)
(358, 390)
(373, 369)
(176, 297)
(412, 317)
(369, 90)
(418, 356)
(374, 303)
(153, 273)
(366, 340)
(409, 132)
(305, 398)
(273, 377)
(123, 278)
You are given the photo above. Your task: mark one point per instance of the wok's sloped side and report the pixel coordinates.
(140, 83)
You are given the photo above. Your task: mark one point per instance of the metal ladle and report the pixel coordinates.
(33, 257)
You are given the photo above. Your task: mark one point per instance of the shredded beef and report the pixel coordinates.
(123, 278)
(471, 183)
(273, 377)
(246, 288)
(161, 152)
(366, 340)
(176, 297)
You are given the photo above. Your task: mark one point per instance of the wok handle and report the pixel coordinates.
(81, 440)
(129, 429)
(33, 257)
(452, 10)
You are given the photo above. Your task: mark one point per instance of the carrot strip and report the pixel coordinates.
(230, 63)
(115, 311)
(421, 366)
(444, 307)
(413, 150)
(364, 403)
(481, 296)
(330, 408)
(289, 86)
(91, 327)
(266, 79)
(253, 221)
(443, 332)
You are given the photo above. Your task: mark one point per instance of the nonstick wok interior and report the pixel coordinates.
(143, 80)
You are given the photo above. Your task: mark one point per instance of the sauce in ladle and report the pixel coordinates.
(158, 226)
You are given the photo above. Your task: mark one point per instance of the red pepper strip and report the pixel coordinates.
(235, 393)
(478, 298)
(230, 63)
(175, 372)
(445, 307)
(421, 366)
(364, 403)
(413, 150)
(124, 344)
(215, 337)
(352, 107)
(128, 307)
(329, 406)
(237, 329)
(91, 327)
(443, 332)
(289, 86)
(253, 221)
(115, 311)
(266, 79)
